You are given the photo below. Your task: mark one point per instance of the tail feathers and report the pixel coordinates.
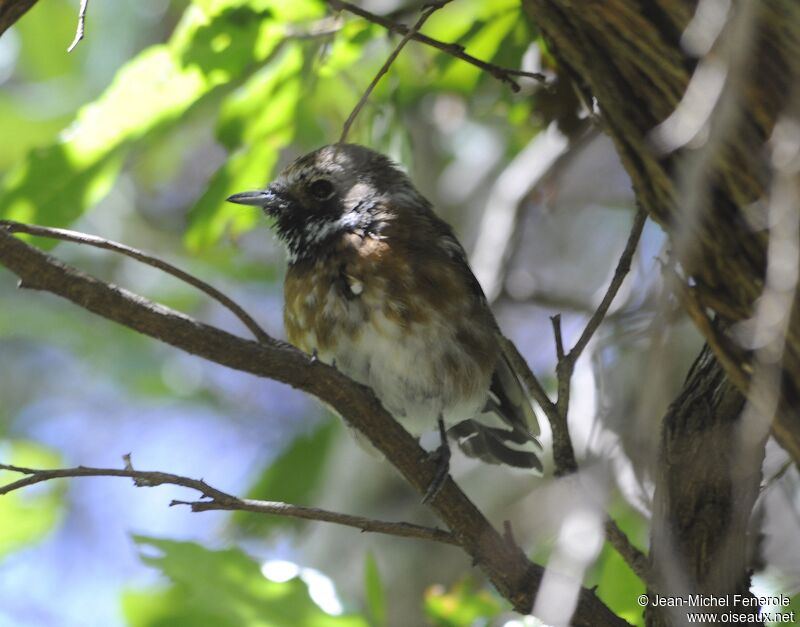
(492, 445)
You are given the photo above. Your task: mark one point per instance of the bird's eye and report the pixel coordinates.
(321, 189)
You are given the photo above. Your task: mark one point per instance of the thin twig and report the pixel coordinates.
(621, 271)
(453, 49)
(426, 13)
(559, 338)
(81, 25)
(564, 457)
(563, 453)
(220, 500)
(321, 28)
(556, 412)
(100, 242)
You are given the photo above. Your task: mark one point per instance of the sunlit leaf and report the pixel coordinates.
(259, 119)
(250, 168)
(221, 588)
(483, 44)
(282, 11)
(55, 184)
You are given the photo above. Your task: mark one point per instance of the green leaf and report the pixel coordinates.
(55, 184)
(259, 116)
(27, 515)
(483, 44)
(292, 477)
(222, 588)
(373, 587)
(462, 606)
(51, 187)
(265, 104)
(212, 217)
(282, 11)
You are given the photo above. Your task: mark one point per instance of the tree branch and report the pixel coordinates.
(557, 412)
(100, 242)
(705, 487)
(220, 500)
(426, 13)
(503, 562)
(455, 50)
(703, 196)
(11, 11)
(620, 272)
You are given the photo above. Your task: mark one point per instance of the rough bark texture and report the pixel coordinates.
(11, 11)
(705, 490)
(628, 55)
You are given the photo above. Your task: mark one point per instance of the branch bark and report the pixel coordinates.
(502, 74)
(705, 491)
(630, 56)
(219, 500)
(504, 563)
(11, 11)
(557, 412)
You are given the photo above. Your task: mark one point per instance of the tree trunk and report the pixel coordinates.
(629, 55)
(706, 487)
(704, 188)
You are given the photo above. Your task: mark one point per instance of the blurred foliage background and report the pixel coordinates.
(139, 135)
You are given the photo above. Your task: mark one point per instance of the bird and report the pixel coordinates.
(379, 286)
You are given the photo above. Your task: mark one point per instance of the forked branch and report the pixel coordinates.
(557, 411)
(218, 500)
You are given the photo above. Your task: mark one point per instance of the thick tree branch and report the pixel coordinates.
(11, 11)
(219, 500)
(504, 563)
(456, 50)
(703, 193)
(706, 486)
(703, 197)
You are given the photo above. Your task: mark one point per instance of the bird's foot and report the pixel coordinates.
(441, 457)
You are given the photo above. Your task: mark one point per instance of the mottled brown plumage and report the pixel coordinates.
(379, 286)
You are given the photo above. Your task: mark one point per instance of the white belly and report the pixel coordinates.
(408, 371)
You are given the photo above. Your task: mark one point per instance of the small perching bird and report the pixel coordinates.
(379, 286)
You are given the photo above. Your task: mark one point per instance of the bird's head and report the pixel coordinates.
(336, 189)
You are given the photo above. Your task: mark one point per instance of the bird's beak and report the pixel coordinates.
(260, 198)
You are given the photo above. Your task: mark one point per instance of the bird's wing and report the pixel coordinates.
(508, 400)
